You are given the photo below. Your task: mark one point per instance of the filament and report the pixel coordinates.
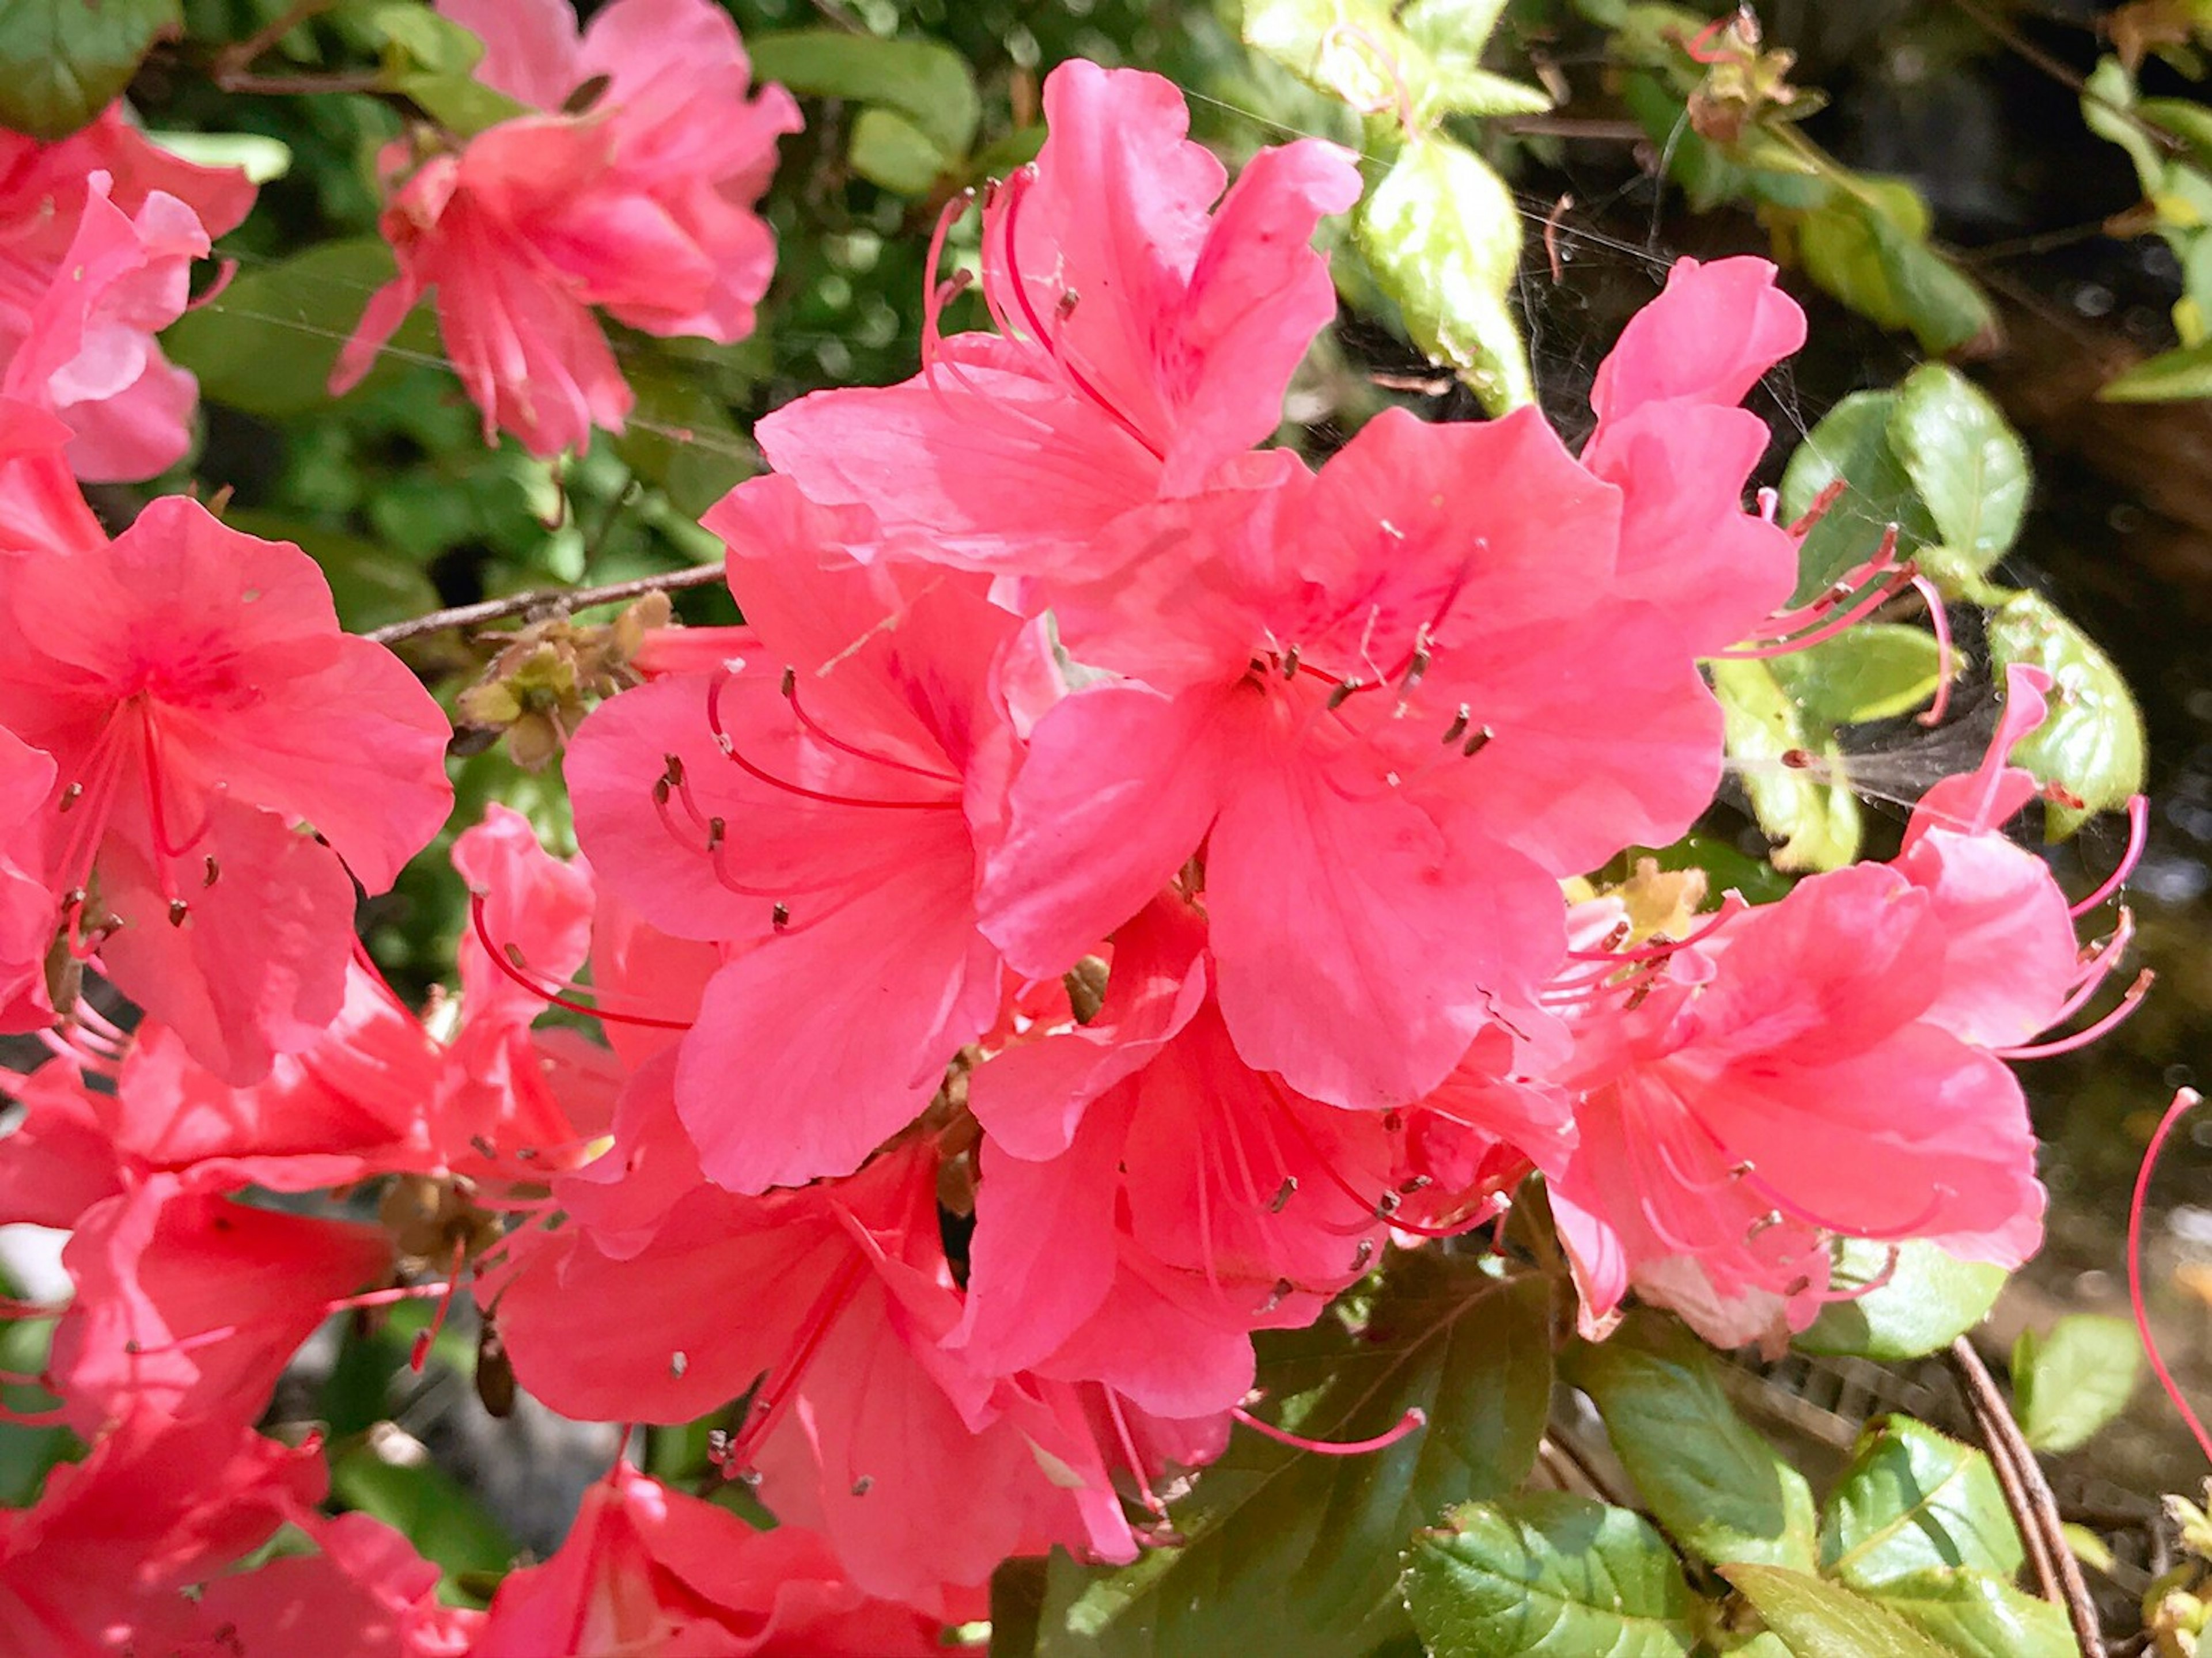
(2184, 1100)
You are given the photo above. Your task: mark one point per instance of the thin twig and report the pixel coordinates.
(238, 55)
(2027, 1494)
(1574, 126)
(2172, 143)
(550, 601)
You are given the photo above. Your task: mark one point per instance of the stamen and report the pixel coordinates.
(1939, 620)
(1880, 1281)
(1457, 729)
(791, 695)
(420, 1354)
(774, 1399)
(1476, 743)
(2138, 837)
(1732, 905)
(2082, 1038)
(1413, 1422)
(2184, 1102)
(723, 740)
(501, 960)
(1136, 1464)
(1815, 510)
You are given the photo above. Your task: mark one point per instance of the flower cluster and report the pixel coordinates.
(1119, 880)
(626, 180)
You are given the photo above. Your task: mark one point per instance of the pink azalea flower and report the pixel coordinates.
(641, 203)
(1393, 704)
(1143, 341)
(96, 234)
(199, 703)
(41, 508)
(27, 908)
(648, 1572)
(818, 815)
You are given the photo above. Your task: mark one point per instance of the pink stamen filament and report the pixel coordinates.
(729, 749)
(1791, 1209)
(2082, 1038)
(1815, 511)
(1136, 1464)
(1413, 1422)
(1870, 601)
(2184, 1100)
(421, 1353)
(2138, 836)
(1732, 905)
(2103, 957)
(508, 968)
(778, 1394)
(791, 695)
(1939, 620)
(1880, 1281)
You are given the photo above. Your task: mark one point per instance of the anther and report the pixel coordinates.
(1798, 759)
(779, 916)
(1364, 1254)
(1344, 692)
(214, 871)
(673, 776)
(1069, 299)
(678, 1362)
(789, 682)
(864, 1484)
(1291, 663)
(1766, 1222)
(716, 829)
(1284, 1193)
(1476, 742)
(1415, 669)
(69, 797)
(1457, 729)
(178, 910)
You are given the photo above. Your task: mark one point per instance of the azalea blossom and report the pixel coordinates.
(200, 706)
(627, 181)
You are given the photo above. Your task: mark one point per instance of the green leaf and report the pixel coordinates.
(1814, 822)
(432, 59)
(1868, 245)
(1966, 462)
(1821, 1620)
(1874, 671)
(1925, 1304)
(889, 151)
(1912, 1499)
(1720, 1489)
(266, 344)
(260, 158)
(391, 1478)
(2169, 377)
(1975, 1615)
(2092, 744)
(62, 62)
(1852, 443)
(928, 84)
(2068, 1384)
(1294, 1552)
(1443, 236)
(370, 584)
(1422, 60)
(1551, 1573)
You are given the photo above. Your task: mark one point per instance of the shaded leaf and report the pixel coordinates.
(889, 151)
(1966, 462)
(1443, 236)
(2068, 1384)
(1298, 1553)
(1720, 1489)
(1874, 670)
(1930, 1300)
(1976, 1616)
(2092, 745)
(62, 62)
(1551, 1573)
(1814, 823)
(1421, 60)
(1816, 1620)
(1912, 1499)
(927, 83)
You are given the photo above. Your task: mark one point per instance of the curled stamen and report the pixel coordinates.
(2082, 1038)
(1939, 620)
(2138, 836)
(1135, 1463)
(791, 695)
(728, 746)
(1870, 600)
(1816, 509)
(2184, 1102)
(1857, 1292)
(1413, 1422)
(2098, 962)
(501, 960)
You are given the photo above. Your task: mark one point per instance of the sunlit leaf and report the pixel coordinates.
(2092, 743)
(1813, 820)
(1966, 463)
(2068, 1384)
(2169, 377)
(1443, 236)
(1545, 1572)
(1817, 1619)
(1975, 1615)
(1720, 1489)
(1294, 1552)
(1851, 443)
(1926, 1303)
(1873, 670)
(1867, 243)
(1420, 61)
(1913, 1499)
(889, 151)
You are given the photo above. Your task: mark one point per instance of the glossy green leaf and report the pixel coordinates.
(2092, 744)
(1809, 811)
(1549, 1573)
(1443, 236)
(1966, 462)
(1818, 1619)
(1851, 443)
(1913, 1499)
(1294, 1553)
(62, 62)
(1874, 671)
(929, 84)
(1975, 1615)
(2068, 1384)
(1928, 1302)
(370, 584)
(432, 59)
(1420, 61)
(1720, 1489)
(392, 1479)
(267, 343)
(889, 151)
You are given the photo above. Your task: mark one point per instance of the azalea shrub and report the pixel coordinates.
(1098, 1001)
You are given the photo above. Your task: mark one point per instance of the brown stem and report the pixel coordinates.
(235, 58)
(550, 601)
(1574, 126)
(2034, 55)
(2027, 1494)
(284, 86)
